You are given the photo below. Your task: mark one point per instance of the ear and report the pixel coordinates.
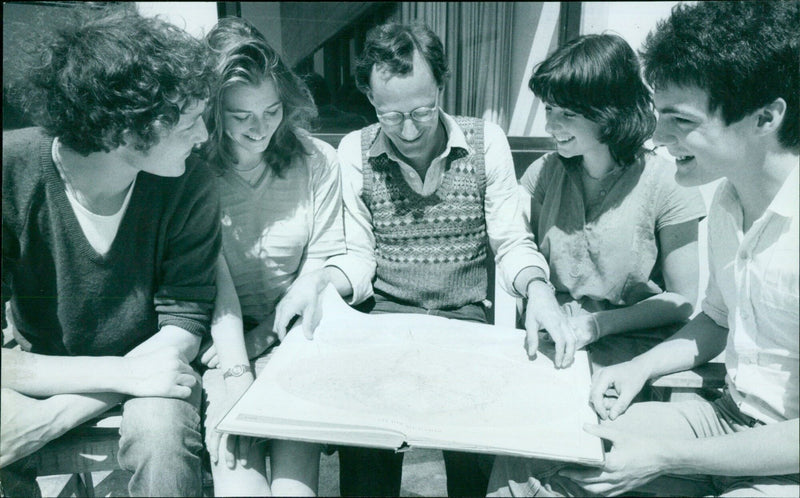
(770, 117)
(369, 97)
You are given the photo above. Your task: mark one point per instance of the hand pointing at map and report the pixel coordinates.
(303, 299)
(543, 312)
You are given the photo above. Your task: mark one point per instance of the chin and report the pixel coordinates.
(173, 172)
(691, 175)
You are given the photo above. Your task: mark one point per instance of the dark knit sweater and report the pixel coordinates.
(66, 299)
(430, 251)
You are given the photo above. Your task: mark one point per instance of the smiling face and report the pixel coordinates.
(168, 157)
(250, 116)
(704, 147)
(404, 93)
(575, 135)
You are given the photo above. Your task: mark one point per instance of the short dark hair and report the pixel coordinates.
(744, 55)
(112, 71)
(392, 46)
(242, 56)
(598, 76)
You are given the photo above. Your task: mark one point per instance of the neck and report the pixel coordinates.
(247, 161)
(598, 162)
(422, 162)
(99, 181)
(757, 187)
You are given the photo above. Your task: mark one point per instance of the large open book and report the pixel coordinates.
(403, 380)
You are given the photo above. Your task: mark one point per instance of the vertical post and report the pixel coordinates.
(229, 9)
(569, 22)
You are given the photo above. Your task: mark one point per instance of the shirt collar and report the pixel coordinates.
(786, 201)
(455, 139)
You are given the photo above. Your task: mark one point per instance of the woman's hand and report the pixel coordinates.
(585, 328)
(231, 448)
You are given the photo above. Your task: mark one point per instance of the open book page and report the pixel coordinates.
(419, 380)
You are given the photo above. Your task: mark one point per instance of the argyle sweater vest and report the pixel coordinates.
(430, 251)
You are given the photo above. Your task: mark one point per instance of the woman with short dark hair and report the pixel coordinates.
(619, 234)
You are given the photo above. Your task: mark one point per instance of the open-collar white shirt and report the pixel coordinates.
(753, 291)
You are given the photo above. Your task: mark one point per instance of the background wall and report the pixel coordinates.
(195, 17)
(536, 36)
(630, 20)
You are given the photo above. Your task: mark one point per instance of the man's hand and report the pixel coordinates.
(543, 312)
(614, 387)
(302, 299)
(632, 462)
(26, 425)
(162, 373)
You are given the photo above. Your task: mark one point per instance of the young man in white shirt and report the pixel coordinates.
(725, 76)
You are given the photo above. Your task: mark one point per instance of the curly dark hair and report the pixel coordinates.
(243, 56)
(744, 55)
(392, 46)
(111, 72)
(598, 76)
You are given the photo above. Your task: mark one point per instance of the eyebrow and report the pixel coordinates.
(276, 104)
(675, 110)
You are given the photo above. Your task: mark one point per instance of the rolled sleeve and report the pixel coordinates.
(186, 292)
(358, 264)
(511, 242)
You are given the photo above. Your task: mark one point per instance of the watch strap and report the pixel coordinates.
(236, 371)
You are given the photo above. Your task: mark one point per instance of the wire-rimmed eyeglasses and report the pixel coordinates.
(420, 115)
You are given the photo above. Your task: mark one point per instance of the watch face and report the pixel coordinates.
(235, 371)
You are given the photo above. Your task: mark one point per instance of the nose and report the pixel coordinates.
(548, 126)
(662, 135)
(550, 123)
(409, 131)
(259, 126)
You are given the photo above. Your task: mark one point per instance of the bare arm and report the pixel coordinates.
(698, 342)
(27, 424)
(679, 261)
(767, 450)
(227, 330)
(761, 451)
(157, 367)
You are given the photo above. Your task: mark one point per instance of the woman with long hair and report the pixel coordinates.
(280, 196)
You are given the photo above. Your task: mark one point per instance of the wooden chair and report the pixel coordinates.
(701, 380)
(90, 447)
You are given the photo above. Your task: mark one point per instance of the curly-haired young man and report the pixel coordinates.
(109, 249)
(725, 77)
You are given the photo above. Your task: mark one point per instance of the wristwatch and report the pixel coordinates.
(236, 371)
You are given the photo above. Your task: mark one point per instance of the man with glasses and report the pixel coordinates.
(423, 193)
